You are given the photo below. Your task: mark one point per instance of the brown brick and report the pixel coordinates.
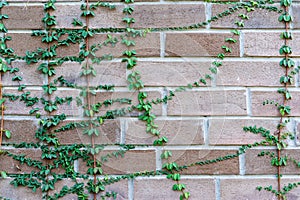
(227, 102)
(109, 134)
(108, 73)
(259, 19)
(10, 192)
(18, 107)
(121, 188)
(31, 76)
(65, 15)
(161, 189)
(172, 73)
(192, 156)
(258, 97)
(296, 16)
(168, 15)
(145, 46)
(102, 96)
(242, 189)
(267, 44)
(22, 42)
(249, 73)
(133, 161)
(156, 15)
(12, 166)
(228, 131)
(72, 109)
(22, 130)
(262, 164)
(198, 44)
(297, 133)
(179, 132)
(245, 188)
(23, 17)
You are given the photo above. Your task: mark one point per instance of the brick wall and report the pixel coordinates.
(202, 123)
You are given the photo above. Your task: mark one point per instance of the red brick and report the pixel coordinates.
(228, 131)
(296, 16)
(29, 73)
(187, 157)
(108, 73)
(109, 134)
(12, 166)
(145, 46)
(179, 132)
(262, 164)
(267, 44)
(198, 44)
(23, 17)
(172, 73)
(226, 102)
(249, 73)
(259, 19)
(102, 96)
(22, 130)
(161, 189)
(258, 97)
(10, 192)
(133, 161)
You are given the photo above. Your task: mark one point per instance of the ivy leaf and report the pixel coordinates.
(7, 134)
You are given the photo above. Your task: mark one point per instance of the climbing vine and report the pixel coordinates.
(58, 160)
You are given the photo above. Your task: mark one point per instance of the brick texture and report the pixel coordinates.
(198, 44)
(227, 102)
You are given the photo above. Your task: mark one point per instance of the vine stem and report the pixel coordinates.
(89, 98)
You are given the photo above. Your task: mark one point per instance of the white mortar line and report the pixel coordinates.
(217, 189)
(208, 13)
(205, 128)
(162, 45)
(248, 102)
(242, 165)
(130, 189)
(124, 127)
(158, 153)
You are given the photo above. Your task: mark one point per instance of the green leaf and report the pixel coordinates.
(7, 134)
(3, 174)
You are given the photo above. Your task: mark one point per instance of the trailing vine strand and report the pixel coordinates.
(92, 181)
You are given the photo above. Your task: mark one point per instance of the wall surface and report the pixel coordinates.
(202, 123)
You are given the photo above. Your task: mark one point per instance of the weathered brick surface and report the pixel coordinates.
(102, 96)
(224, 131)
(10, 192)
(133, 161)
(198, 44)
(264, 162)
(12, 166)
(29, 73)
(179, 132)
(249, 73)
(23, 17)
(18, 107)
(226, 102)
(160, 189)
(22, 42)
(108, 73)
(172, 73)
(186, 157)
(109, 134)
(144, 46)
(267, 43)
(21, 130)
(258, 97)
(65, 15)
(245, 188)
(151, 16)
(259, 19)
